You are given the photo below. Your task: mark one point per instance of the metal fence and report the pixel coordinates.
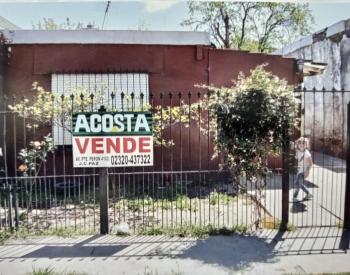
(186, 185)
(324, 120)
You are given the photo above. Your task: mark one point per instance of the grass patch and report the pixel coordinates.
(192, 231)
(182, 202)
(23, 233)
(138, 204)
(67, 232)
(51, 271)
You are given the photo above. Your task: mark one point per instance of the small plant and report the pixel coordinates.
(33, 157)
(219, 198)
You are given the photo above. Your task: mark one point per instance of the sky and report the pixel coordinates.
(154, 15)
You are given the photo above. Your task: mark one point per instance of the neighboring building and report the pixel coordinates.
(159, 62)
(7, 25)
(330, 46)
(325, 119)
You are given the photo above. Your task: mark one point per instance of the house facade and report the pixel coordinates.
(148, 62)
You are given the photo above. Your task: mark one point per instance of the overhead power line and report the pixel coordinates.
(106, 11)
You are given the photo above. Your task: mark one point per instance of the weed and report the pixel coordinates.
(4, 235)
(340, 224)
(43, 271)
(153, 231)
(287, 227)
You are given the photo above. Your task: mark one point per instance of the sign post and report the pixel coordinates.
(111, 139)
(103, 196)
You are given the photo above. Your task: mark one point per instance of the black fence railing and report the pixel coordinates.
(187, 185)
(324, 122)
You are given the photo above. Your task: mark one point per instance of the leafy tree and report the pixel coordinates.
(50, 24)
(255, 26)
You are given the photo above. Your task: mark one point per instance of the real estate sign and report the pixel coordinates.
(112, 139)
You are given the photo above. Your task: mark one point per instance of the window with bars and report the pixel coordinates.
(107, 84)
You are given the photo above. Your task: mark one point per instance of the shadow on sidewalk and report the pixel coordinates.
(77, 250)
(236, 252)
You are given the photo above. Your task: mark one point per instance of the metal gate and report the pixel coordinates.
(324, 121)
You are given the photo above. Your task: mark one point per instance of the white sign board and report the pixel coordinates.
(122, 139)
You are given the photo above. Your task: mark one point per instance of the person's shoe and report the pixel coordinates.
(308, 197)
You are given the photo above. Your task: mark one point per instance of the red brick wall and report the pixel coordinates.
(171, 69)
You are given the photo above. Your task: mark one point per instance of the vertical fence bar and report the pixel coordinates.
(347, 186)
(285, 179)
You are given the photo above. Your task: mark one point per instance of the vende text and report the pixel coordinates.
(112, 151)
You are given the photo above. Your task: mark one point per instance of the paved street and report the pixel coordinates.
(268, 252)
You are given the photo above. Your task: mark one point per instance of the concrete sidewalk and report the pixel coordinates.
(304, 251)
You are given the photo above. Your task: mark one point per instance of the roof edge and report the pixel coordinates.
(332, 30)
(107, 37)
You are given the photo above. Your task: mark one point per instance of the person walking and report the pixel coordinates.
(305, 163)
